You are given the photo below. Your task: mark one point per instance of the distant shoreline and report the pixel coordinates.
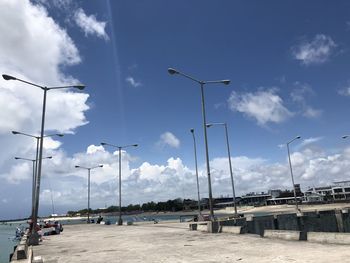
(272, 209)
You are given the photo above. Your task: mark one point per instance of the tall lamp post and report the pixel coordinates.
(36, 158)
(89, 169)
(202, 83)
(34, 173)
(120, 220)
(195, 161)
(229, 161)
(34, 237)
(291, 172)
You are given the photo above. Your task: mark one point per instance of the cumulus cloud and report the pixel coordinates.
(90, 25)
(38, 57)
(264, 106)
(133, 82)
(316, 51)
(172, 179)
(37, 51)
(168, 139)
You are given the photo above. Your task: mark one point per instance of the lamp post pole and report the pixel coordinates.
(202, 83)
(120, 220)
(88, 197)
(34, 237)
(34, 161)
(291, 172)
(195, 161)
(35, 169)
(230, 163)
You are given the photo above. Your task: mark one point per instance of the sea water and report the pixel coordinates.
(7, 241)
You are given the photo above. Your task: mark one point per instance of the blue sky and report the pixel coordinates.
(288, 66)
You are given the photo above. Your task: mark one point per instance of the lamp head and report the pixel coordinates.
(101, 165)
(226, 81)
(49, 157)
(298, 137)
(135, 145)
(8, 77)
(77, 166)
(345, 136)
(192, 130)
(17, 158)
(15, 132)
(80, 86)
(172, 71)
(209, 125)
(59, 134)
(103, 143)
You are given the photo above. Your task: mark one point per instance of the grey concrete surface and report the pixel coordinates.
(174, 242)
(327, 237)
(282, 234)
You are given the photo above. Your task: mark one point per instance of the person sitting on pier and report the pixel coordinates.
(99, 219)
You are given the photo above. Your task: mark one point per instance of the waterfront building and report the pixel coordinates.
(255, 199)
(338, 191)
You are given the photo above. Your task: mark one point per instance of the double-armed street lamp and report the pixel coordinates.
(120, 220)
(229, 161)
(36, 157)
(34, 237)
(34, 174)
(89, 169)
(202, 83)
(291, 172)
(195, 161)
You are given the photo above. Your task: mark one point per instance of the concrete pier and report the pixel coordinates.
(173, 242)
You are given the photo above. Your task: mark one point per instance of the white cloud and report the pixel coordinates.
(90, 25)
(300, 91)
(316, 51)
(344, 92)
(168, 139)
(93, 149)
(299, 95)
(312, 113)
(133, 82)
(37, 51)
(264, 105)
(310, 140)
(159, 182)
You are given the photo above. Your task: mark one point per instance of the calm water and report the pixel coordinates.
(7, 233)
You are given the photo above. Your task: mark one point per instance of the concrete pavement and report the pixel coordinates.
(173, 242)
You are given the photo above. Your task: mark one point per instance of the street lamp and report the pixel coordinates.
(34, 237)
(291, 171)
(229, 161)
(195, 160)
(36, 157)
(120, 221)
(89, 169)
(172, 71)
(34, 173)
